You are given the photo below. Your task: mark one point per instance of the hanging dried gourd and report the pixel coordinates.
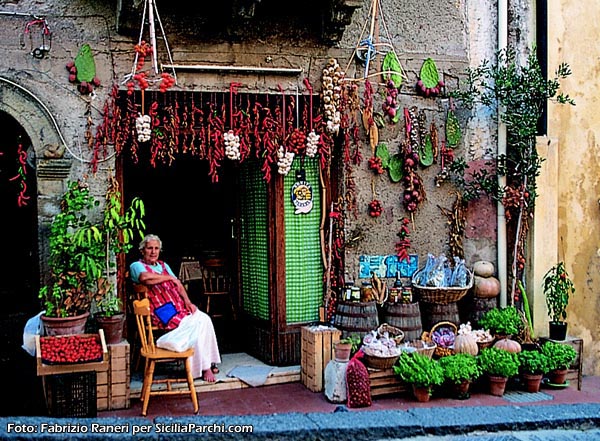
(429, 83)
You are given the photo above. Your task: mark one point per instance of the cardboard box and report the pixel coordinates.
(316, 352)
(113, 389)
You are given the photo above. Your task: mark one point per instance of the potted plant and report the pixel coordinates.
(421, 372)
(346, 346)
(560, 357)
(504, 322)
(558, 286)
(82, 253)
(459, 371)
(499, 365)
(533, 366)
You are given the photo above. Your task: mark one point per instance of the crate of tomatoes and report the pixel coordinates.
(62, 354)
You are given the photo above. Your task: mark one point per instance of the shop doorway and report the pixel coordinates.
(20, 265)
(196, 219)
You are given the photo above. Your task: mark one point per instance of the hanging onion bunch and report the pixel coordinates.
(332, 92)
(312, 144)
(142, 126)
(232, 145)
(284, 161)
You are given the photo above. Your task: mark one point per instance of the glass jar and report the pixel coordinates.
(366, 292)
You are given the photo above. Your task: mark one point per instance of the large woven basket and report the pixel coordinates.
(426, 348)
(439, 350)
(376, 362)
(442, 295)
(393, 332)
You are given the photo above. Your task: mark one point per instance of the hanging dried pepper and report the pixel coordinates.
(22, 176)
(216, 150)
(403, 245)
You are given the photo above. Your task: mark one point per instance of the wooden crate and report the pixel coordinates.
(385, 382)
(316, 352)
(68, 368)
(576, 369)
(113, 391)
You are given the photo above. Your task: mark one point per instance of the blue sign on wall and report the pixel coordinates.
(387, 266)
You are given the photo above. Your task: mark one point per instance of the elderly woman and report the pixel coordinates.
(173, 311)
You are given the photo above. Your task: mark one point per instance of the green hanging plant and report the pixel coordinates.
(453, 132)
(85, 64)
(383, 153)
(395, 168)
(429, 83)
(392, 69)
(426, 152)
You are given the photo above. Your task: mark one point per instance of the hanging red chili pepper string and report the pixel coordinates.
(232, 91)
(310, 91)
(21, 173)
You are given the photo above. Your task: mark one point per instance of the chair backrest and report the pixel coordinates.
(215, 277)
(143, 319)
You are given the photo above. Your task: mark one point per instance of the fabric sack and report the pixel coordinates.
(165, 312)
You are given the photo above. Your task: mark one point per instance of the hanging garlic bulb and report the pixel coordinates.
(142, 126)
(232, 145)
(312, 144)
(284, 161)
(332, 92)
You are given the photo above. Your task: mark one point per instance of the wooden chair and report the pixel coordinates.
(216, 282)
(154, 355)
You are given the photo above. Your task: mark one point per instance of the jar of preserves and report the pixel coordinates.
(366, 292)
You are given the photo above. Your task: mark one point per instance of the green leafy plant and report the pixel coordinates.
(354, 340)
(519, 93)
(418, 369)
(498, 362)
(560, 356)
(502, 321)
(460, 367)
(533, 362)
(82, 251)
(558, 286)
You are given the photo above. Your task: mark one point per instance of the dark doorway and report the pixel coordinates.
(19, 263)
(195, 218)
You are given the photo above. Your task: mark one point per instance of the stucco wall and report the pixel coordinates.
(578, 131)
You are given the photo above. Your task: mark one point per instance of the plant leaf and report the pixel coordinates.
(391, 63)
(453, 133)
(85, 64)
(395, 168)
(383, 153)
(429, 73)
(426, 152)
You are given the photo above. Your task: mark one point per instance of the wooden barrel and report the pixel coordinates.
(356, 318)
(432, 313)
(481, 306)
(406, 316)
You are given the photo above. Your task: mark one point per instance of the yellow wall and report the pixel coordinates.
(573, 37)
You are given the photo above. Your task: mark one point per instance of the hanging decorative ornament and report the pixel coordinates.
(429, 83)
(302, 193)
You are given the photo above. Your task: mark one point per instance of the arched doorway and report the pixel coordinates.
(19, 262)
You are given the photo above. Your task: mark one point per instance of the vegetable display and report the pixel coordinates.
(70, 349)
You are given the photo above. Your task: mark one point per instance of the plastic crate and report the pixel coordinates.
(72, 395)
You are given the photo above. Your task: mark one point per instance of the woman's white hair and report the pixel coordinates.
(148, 238)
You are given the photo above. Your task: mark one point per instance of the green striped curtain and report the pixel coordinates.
(303, 265)
(254, 241)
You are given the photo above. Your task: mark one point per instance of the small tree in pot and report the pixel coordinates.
(558, 287)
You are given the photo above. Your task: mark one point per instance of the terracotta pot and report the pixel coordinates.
(112, 327)
(421, 393)
(532, 382)
(460, 391)
(497, 385)
(342, 351)
(65, 325)
(558, 376)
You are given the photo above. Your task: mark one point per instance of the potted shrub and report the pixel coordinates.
(560, 358)
(421, 372)
(459, 371)
(82, 252)
(345, 347)
(558, 287)
(504, 322)
(499, 365)
(533, 366)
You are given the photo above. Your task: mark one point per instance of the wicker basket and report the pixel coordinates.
(439, 350)
(423, 347)
(442, 295)
(394, 333)
(376, 362)
(485, 344)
